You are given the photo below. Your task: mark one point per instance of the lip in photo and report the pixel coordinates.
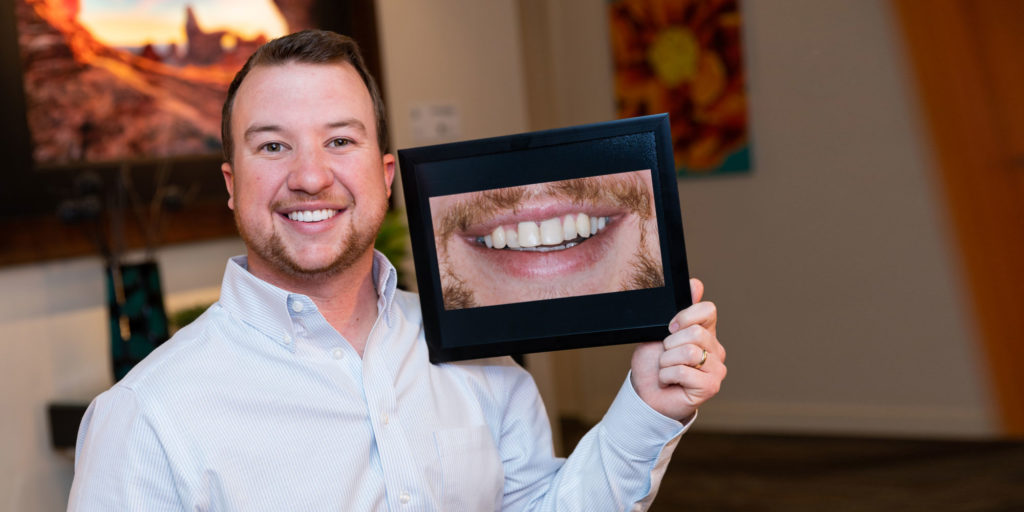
(541, 241)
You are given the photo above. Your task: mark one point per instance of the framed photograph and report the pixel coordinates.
(120, 101)
(548, 240)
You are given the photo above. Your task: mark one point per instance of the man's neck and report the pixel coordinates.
(347, 300)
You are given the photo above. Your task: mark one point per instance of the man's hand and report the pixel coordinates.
(669, 375)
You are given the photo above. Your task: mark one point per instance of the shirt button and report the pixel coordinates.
(337, 353)
(296, 306)
(404, 497)
(287, 339)
(384, 419)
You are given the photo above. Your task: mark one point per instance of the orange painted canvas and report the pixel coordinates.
(684, 57)
(131, 80)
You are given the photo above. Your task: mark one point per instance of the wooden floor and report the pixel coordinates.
(754, 473)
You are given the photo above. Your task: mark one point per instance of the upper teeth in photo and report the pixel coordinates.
(556, 233)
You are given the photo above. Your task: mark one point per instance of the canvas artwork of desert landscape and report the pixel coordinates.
(129, 80)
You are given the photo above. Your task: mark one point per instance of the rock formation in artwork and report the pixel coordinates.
(87, 101)
(204, 48)
(298, 14)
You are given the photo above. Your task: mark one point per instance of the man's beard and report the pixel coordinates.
(272, 249)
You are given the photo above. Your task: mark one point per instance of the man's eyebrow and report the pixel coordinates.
(251, 131)
(346, 123)
(273, 128)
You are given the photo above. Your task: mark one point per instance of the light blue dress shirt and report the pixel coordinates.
(261, 405)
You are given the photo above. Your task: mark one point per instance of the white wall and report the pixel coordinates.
(841, 300)
(54, 347)
(463, 53)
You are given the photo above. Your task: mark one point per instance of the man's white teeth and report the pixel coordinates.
(529, 234)
(583, 225)
(553, 233)
(569, 227)
(512, 239)
(498, 237)
(312, 215)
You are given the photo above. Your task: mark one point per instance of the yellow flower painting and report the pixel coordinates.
(684, 57)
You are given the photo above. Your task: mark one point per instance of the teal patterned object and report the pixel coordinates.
(138, 320)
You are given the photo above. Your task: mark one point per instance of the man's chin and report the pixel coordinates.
(310, 270)
(306, 260)
(308, 265)
(323, 266)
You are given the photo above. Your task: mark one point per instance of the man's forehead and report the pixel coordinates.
(282, 89)
(299, 74)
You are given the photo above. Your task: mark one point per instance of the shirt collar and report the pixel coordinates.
(384, 272)
(268, 309)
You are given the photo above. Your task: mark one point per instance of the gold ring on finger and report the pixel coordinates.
(703, 359)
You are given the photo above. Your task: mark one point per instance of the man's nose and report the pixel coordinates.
(311, 172)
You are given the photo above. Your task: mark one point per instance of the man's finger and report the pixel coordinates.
(695, 334)
(704, 314)
(696, 290)
(702, 383)
(689, 354)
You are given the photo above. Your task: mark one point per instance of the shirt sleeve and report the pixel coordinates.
(119, 461)
(617, 465)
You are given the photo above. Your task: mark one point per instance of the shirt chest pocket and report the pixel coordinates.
(472, 478)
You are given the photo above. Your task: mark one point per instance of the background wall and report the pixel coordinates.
(841, 303)
(54, 347)
(834, 263)
(831, 263)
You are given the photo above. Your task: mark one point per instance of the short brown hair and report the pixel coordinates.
(307, 47)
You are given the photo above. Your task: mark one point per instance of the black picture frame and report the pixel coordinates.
(634, 144)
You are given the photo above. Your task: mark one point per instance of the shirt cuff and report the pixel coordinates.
(637, 428)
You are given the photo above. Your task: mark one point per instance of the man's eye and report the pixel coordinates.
(338, 143)
(272, 147)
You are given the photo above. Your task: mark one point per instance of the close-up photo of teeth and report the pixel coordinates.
(553, 234)
(566, 238)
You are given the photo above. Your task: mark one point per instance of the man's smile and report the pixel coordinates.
(547, 240)
(312, 215)
(554, 234)
(541, 262)
(312, 211)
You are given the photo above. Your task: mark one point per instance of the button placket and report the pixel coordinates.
(400, 470)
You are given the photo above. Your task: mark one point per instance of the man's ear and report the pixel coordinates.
(389, 170)
(229, 182)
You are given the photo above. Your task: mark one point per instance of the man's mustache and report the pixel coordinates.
(300, 199)
(626, 192)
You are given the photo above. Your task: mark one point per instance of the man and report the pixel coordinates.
(547, 240)
(307, 386)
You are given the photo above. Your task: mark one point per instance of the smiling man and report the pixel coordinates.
(547, 240)
(307, 386)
